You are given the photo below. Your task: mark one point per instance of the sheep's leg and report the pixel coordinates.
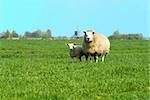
(103, 58)
(86, 57)
(96, 58)
(90, 58)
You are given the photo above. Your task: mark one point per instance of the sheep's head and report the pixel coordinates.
(88, 35)
(71, 46)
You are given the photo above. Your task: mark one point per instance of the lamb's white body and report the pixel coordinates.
(95, 45)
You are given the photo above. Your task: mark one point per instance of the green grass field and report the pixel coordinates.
(43, 70)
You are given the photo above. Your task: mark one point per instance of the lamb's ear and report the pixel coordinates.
(93, 32)
(67, 44)
(74, 44)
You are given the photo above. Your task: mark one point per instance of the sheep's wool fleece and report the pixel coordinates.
(100, 45)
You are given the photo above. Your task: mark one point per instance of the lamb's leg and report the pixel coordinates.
(80, 58)
(86, 57)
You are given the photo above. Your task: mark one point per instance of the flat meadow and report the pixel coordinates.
(43, 70)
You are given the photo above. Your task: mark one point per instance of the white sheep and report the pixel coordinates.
(75, 51)
(95, 45)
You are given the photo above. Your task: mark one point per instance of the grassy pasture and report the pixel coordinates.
(42, 70)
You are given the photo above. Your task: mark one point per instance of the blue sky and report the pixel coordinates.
(63, 17)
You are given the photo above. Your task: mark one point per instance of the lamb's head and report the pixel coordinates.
(71, 46)
(88, 36)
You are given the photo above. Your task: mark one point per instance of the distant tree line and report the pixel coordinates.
(131, 36)
(38, 34)
(9, 35)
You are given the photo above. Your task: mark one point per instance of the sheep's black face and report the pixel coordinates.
(88, 36)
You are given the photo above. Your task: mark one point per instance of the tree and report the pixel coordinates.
(14, 34)
(49, 33)
(117, 35)
(7, 34)
(116, 32)
(130, 36)
(27, 35)
(45, 35)
(36, 34)
(2, 35)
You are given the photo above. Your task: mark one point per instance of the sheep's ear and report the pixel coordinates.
(66, 44)
(93, 32)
